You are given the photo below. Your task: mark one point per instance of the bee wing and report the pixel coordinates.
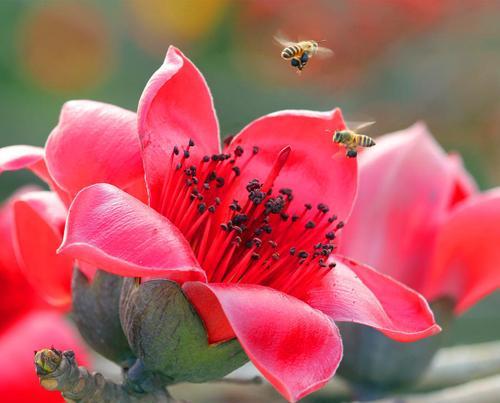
(282, 40)
(323, 52)
(355, 126)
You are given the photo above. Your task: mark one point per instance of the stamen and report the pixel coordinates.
(263, 239)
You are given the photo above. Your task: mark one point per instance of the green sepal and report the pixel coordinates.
(96, 314)
(168, 336)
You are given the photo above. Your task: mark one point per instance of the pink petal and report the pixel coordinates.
(112, 230)
(40, 329)
(176, 106)
(39, 222)
(466, 263)
(356, 293)
(96, 142)
(297, 348)
(317, 169)
(406, 185)
(14, 158)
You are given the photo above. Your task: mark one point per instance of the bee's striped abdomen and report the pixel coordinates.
(365, 141)
(290, 51)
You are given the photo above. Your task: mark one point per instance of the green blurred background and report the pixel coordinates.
(396, 61)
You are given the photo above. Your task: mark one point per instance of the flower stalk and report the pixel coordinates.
(59, 371)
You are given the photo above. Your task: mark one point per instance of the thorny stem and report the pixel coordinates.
(59, 371)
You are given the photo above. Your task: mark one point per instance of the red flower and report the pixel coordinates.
(233, 226)
(27, 323)
(418, 218)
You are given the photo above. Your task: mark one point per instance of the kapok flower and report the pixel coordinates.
(420, 219)
(27, 323)
(249, 231)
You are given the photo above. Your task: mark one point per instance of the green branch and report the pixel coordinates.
(59, 371)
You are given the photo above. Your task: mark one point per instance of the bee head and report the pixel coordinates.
(338, 136)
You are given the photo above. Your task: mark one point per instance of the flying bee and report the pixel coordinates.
(351, 139)
(299, 53)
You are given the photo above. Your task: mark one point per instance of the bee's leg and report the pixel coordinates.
(351, 153)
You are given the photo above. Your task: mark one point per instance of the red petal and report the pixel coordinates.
(406, 185)
(356, 293)
(317, 169)
(112, 230)
(96, 142)
(176, 106)
(18, 296)
(40, 329)
(466, 263)
(296, 347)
(39, 221)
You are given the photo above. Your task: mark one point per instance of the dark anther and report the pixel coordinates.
(332, 265)
(255, 256)
(215, 157)
(228, 139)
(340, 224)
(224, 227)
(206, 158)
(332, 218)
(255, 149)
(238, 151)
(284, 216)
(211, 209)
(236, 170)
(267, 228)
(323, 208)
(254, 184)
(220, 181)
(256, 196)
(275, 205)
(257, 242)
(239, 219)
(192, 196)
(176, 150)
(191, 143)
(273, 244)
(195, 180)
(308, 206)
(237, 240)
(186, 154)
(178, 166)
(235, 206)
(211, 176)
(217, 200)
(295, 217)
(238, 229)
(330, 236)
(202, 207)
(303, 254)
(287, 192)
(206, 186)
(275, 256)
(310, 225)
(292, 251)
(189, 182)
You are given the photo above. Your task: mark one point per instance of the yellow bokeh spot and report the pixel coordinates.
(160, 22)
(65, 46)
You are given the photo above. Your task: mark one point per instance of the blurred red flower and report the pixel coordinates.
(255, 262)
(27, 322)
(420, 219)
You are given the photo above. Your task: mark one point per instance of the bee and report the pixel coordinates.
(351, 139)
(299, 53)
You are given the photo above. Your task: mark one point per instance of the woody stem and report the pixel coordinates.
(59, 371)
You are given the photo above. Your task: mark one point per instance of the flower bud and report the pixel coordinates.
(169, 338)
(376, 363)
(96, 314)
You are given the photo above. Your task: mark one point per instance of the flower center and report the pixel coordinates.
(255, 240)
